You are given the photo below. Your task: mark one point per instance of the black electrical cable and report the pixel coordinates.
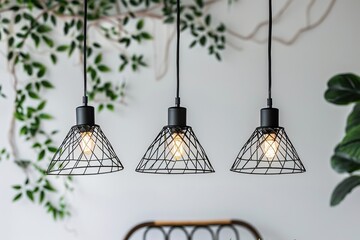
(177, 101)
(269, 101)
(85, 98)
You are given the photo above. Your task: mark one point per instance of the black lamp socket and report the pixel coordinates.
(177, 116)
(85, 115)
(269, 117)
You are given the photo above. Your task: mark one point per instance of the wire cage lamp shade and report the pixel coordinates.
(85, 151)
(175, 150)
(268, 151)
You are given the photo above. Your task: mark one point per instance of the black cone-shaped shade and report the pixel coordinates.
(176, 150)
(85, 151)
(268, 151)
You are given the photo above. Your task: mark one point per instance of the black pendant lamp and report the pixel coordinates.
(85, 150)
(175, 150)
(269, 149)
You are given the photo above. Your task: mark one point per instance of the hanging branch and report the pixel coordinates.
(309, 25)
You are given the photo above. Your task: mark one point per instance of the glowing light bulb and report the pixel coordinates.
(270, 146)
(177, 146)
(87, 143)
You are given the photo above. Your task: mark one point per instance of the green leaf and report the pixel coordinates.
(24, 130)
(342, 164)
(41, 155)
(343, 189)
(343, 89)
(189, 17)
(36, 145)
(62, 48)
(96, 45)
(169, 20)
(28, 69)
(52, 149)
(45, 116)
(354, 118)
(48, 41)
(17, 18)
(33, 95)
(208, 20)
(202, 41)
(49, 187)
(200, 3)
(30, 195)
(146, 35)
(125, 41)
(43, 29)
(98, 58)
(110, 107)
(19, 116)
(5, 21)
(72, 48)
(218, 57)
(140, 24)
(16, 187)
(101, 107)
(17, 197)
(41, 72)
(221, 28)
(47, 84)
(104, 68)
(15, 8)
(41, 106)
(53, 58)
(36, 39)
(349, 147)
(42, 196)
(10, 55)
(53, 20)
(11, 41)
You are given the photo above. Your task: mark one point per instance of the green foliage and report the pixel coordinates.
(344, 188)
(37, 26)
(345, 89)
(4, 154)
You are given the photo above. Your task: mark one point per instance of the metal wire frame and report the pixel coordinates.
(254, 157)
(85, 151)
(214, 228)
(176, 150)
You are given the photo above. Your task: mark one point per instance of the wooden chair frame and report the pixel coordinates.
(191, 227)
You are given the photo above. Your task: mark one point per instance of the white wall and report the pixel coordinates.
(223, 101)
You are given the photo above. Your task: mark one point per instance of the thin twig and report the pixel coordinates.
(257, 28)
(309, 26)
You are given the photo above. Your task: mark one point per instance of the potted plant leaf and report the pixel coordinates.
(344, 89)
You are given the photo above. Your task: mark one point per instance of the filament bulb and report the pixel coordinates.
(177, 146)
(87, 143)
(270, 146)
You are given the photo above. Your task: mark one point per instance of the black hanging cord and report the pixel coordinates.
(85, 98)
(177, 99)
(269, 100)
